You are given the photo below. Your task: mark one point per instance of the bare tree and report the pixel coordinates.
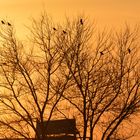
(106, 93)
(123, 76)
(31, 84)
(95, 74)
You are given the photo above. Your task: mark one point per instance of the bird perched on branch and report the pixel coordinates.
(4, 63)
(54, 28)
(129, 51)
(81, 21)
(2, 22)
(8, 24)
(101, 53)
(64, 32)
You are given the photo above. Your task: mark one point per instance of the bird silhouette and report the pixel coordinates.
(64, 32)
(81, 21)
(54, 28)
(4, 63)
(101, 53)
(2, 22)
(8, 24)
(129, 51)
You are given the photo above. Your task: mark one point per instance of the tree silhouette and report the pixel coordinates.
(90, 76)
(105, 94)
(31, 84)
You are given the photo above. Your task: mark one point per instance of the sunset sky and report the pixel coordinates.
(110, 13)
(104, 12)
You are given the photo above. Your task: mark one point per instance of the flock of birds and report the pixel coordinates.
(81, 22)
(5, 23)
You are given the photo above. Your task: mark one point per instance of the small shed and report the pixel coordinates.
(64, 129)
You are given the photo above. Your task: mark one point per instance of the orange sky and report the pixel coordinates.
(104, 12)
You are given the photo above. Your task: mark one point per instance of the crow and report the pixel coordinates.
(64, 32)
(101, 53)
(8, 24)
(54, 29)
(129, 51)
(4, 64)
(2, 22)
(81, 21)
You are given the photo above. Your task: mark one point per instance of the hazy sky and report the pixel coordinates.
(104, 12)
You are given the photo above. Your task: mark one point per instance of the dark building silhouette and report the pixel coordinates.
(59, 129)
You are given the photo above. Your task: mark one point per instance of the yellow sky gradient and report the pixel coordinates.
(108, 13)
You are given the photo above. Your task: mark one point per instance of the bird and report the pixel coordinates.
(8, 24)
(2, 22)
(64, 32)
(129, 51)
(101, 53)
(4, 63)
(79, 44)
(54, 28)
(81, 21)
